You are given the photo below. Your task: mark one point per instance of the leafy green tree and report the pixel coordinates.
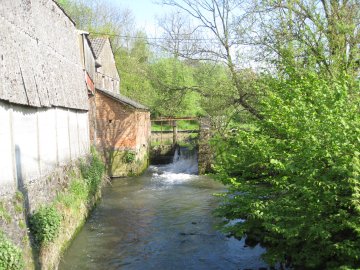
(319, 35)
(173, 80)
(294, 180)
(133, 61)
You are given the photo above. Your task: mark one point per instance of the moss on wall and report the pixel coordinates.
(128, 163)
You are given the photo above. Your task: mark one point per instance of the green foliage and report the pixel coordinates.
(181, 125)
(295, 177)
(4, 214)
(129, 157)
(173, 81)
(83, 188)
(133, 63)
(93, 173)
(78, 193)
(45, 224)
(19, 197)
(11, 257)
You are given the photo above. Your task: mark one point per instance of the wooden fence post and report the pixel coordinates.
(174, 132)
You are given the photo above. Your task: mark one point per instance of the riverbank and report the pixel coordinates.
(36, 239)
(160, 220)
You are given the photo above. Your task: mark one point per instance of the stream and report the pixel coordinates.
(160, 220)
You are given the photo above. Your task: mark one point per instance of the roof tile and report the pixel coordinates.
(97, 43)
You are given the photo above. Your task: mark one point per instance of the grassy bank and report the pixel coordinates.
(53, 226)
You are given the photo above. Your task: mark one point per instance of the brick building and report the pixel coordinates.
(119, 126)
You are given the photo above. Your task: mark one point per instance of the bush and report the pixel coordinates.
(4, 214)
(45, 224)
(129, 157)
(93, 173)
(10, 256)
(295, 178)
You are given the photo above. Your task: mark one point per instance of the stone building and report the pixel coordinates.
(119, 126)
(44, 128)
(43, 97)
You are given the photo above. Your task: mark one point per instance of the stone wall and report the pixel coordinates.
(43, 110)
(205, 154)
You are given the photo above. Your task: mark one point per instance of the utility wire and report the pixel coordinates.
(153, 38)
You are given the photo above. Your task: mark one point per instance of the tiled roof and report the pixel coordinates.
(97, 43)
(123, 99)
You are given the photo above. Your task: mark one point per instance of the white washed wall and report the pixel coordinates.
(47, 138)
(74, 134)
(84, 141)
(34, 141)
(63, 141)
(6, 157)
(25, 138)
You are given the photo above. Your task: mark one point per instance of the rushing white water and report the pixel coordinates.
(183, 168)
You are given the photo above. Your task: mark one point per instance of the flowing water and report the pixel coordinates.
(161, 220)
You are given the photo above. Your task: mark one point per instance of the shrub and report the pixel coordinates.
(4, 214)
(10, 256)
(93, 173)
(45, 224)
(129, 157)
(295, 179)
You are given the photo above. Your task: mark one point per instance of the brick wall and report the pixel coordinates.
(120, 128)
(116, 124)
(92, 119)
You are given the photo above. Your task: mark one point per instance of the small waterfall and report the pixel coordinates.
(183, 168)
(184, 161)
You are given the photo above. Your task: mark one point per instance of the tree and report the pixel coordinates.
(216, 21)
(101, 18)
(294, 176)
(178, 37)
(318, 35)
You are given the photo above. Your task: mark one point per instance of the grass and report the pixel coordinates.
(4, 214)
(74, 205)
(181, 125)
(164, 142)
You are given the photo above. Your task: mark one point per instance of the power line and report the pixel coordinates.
(152, 38)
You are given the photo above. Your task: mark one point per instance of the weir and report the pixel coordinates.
(170, 133)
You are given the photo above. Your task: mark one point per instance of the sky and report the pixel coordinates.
(145, 12)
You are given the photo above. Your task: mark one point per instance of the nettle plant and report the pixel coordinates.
(93, 173)
(11, 257)
(45, 224)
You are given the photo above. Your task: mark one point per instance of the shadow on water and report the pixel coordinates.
(161, 220)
